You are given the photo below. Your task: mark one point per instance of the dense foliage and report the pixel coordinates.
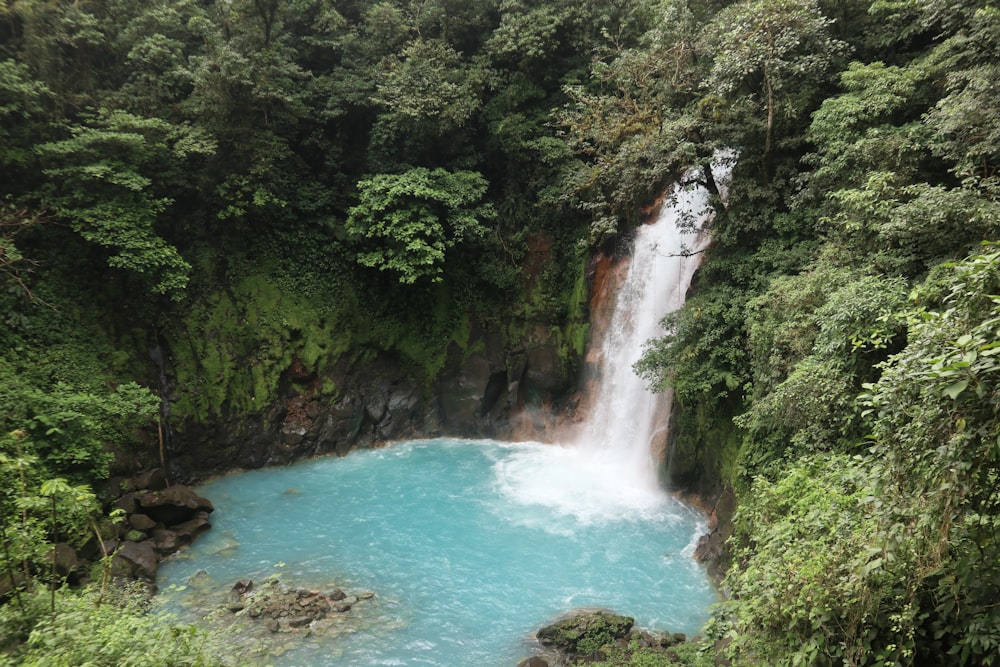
(109, 630)
(269, 180)
(847, 316)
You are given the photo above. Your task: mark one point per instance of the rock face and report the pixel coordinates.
(474, 396)
(711, 549)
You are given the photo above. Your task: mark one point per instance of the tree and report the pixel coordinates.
(430, 93)
(14, 266)
(108, 183)
(771, 55)
(64, 44)
(966, 122)
(407, 222)
(889, 556)
(631, 125)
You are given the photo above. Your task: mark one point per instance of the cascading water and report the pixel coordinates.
(626, 417)
(468, 546)
(606, 466)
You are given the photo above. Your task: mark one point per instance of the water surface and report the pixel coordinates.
(469, 547)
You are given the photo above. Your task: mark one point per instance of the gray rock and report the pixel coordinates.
(173, 505)
(66, 559)
(141, 522)
(188, 530)
(140, 558)
(165, 541)
(234, 601)
(151, 480)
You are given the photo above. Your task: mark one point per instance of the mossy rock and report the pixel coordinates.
(585, 633)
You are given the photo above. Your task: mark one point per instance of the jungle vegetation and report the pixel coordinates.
(368, 174)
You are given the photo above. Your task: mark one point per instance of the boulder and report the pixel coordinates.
(533, 661)
(66, 559)
(585, 633)
(136, 560)
(243, 586)
(8, 584)
(173, 505)
(141, 522)
(128, 503)
(237, 593)
(165, 541)
(187, 531)
(151, 480)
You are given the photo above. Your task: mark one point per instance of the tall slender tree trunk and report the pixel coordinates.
(9, 565)
(768, 137)
(52, 574)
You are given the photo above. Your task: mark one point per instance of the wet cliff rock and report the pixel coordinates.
(475, 395)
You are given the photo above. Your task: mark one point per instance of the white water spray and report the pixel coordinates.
(606, 470)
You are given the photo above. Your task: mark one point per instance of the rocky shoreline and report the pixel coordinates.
(151, 519)
(300, 611)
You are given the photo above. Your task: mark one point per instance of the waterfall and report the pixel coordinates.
(627, 423)
(604, 469)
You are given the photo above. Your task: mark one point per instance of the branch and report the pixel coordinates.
(684, 252)
(13, 265)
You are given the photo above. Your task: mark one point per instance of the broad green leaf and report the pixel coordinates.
(956, 388)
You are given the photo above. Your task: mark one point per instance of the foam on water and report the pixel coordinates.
(589, 485)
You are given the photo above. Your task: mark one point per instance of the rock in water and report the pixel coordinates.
(585, 633)
(533, 661)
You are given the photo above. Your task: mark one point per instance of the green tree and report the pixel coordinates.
(108, 182)
(64, 45)
(409, 221)
(90, 629)
(889, 556)
(966, 121)
(772, 56)
(632, 125)
(429, 93)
